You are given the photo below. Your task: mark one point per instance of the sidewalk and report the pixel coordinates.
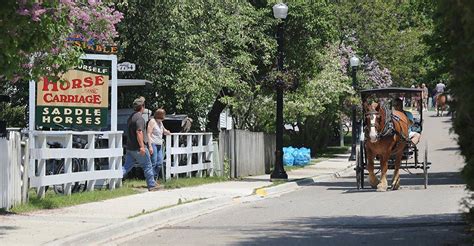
(93, 223)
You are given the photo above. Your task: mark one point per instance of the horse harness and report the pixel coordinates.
(389, 127)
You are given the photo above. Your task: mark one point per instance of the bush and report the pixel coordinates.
(13, 115)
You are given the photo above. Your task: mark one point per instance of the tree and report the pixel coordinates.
(34, 35)
(391, 32)
(201, 51)
(455, 45)
(34, 42)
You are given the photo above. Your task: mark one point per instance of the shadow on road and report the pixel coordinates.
(434, 229)
(450, 149)
(4, 229)
(348, 184)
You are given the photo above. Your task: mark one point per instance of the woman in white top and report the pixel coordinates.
(155, 131)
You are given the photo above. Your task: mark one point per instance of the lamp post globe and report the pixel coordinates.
(280, 11)
(354, 62)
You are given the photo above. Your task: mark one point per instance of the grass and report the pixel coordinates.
(331, 152)
(129, 187)
(180, 202)
(175, 183)
(53, 200)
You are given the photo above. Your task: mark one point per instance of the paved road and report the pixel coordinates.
(333, 212)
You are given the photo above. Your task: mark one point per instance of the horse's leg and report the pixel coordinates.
(370, 167)
(382, 186)
(396, 172)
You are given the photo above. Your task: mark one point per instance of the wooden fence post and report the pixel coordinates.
(168, 157)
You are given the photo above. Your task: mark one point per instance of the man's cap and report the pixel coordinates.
(139, 102)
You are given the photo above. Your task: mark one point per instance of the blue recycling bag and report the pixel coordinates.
(302, 156)
(288, 158)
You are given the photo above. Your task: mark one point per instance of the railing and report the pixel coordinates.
(41, 153)
(189, 152)
(13, 185)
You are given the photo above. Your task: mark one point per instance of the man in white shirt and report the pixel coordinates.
(440, 87)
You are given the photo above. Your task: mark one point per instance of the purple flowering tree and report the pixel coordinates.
(34, 35)
(373, 74)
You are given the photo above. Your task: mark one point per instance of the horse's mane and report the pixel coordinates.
(387, 123)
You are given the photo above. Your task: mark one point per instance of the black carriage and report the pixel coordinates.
(411, 157)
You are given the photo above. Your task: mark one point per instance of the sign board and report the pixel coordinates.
(126, 67)
(79, 100)
(90, 46)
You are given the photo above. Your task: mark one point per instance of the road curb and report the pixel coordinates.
(295, 184)
(108, 233)
(113, 233)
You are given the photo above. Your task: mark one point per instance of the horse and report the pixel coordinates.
(387, 133)
(441, 104)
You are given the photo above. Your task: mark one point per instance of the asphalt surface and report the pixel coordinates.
(334, 212)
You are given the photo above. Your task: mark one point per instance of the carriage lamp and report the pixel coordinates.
(354, 62)
(280, 11)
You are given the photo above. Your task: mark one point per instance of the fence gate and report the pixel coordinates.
(10, 174)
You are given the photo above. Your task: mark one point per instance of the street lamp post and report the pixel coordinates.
(354, 62)
(280, 11)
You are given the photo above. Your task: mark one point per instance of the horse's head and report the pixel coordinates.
(374, 120)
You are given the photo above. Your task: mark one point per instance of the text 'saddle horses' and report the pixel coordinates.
(387, 134)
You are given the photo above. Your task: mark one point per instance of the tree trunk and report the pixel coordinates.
(214, 113)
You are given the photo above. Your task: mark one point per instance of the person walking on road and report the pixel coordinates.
(425, 96)
(155, 131)
(136, 138)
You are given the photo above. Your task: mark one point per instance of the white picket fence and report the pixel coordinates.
(189, 152)
(41, 154)
(13, 179)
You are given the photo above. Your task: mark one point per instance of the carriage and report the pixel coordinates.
(410, 159)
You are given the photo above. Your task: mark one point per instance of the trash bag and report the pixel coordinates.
(302, 156)
(288, 158)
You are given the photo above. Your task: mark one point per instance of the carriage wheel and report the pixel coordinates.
(359, 168)
(362, 163)
(425, 166)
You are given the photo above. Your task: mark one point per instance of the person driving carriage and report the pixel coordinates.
(413, 135)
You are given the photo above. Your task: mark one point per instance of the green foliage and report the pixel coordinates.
(455, 44)
(14, 115)
(391, 32)
(324, 91)
(204, 49)
(197, 48)
(22, 37)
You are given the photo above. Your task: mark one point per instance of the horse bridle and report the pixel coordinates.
(372, 113)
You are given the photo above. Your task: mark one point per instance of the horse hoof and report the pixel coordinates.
(381, 188)
(374, 185)
(395, 187)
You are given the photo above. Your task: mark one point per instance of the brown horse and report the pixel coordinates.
(383, 144)
(440, 104)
